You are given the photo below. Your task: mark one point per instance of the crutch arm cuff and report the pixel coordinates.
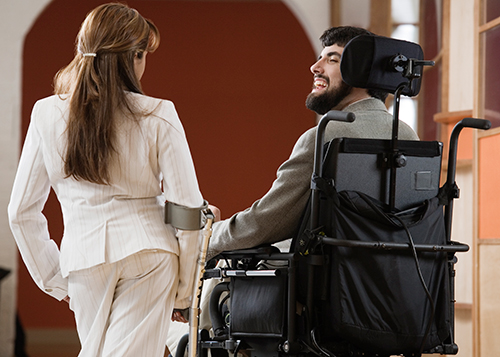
(186, 218)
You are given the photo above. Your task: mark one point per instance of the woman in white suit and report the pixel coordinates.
(113, 156)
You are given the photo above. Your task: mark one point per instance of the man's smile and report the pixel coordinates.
(319, 84)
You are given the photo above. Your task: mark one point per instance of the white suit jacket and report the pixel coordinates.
(105, 223)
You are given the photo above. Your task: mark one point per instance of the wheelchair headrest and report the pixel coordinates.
(377, 62)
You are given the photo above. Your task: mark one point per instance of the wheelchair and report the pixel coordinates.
(371, 272)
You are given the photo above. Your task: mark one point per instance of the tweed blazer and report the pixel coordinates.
(276, 216)
(105, 223)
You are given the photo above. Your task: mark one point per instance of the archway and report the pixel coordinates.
(238, 74)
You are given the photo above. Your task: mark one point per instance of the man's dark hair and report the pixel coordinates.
(340, 36)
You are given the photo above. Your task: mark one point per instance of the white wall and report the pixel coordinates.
(461, 87)
(16, 17)
(355, 13)
(314, 15)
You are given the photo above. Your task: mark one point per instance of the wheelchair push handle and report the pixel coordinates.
(334, 115)
(475, 123)
(339, 116)
(450, 184)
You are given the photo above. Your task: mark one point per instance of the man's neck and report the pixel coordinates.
(356, 95)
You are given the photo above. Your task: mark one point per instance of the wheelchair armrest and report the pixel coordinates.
(242, 253)
(247, 262)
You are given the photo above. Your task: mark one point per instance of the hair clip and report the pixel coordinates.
(90, 54)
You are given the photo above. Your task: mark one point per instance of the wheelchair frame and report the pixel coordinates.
(243, 263)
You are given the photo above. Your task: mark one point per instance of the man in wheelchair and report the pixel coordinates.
(277, 215)
(370, 268)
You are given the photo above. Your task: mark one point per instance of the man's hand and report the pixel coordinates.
(216, 212)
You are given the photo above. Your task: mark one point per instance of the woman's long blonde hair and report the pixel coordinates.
(97, 81)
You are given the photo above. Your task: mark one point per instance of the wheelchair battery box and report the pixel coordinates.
(258, 305)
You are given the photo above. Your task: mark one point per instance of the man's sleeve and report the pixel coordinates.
(276, 216)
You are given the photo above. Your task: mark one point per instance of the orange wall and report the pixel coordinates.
(238, 72)
(489, 189)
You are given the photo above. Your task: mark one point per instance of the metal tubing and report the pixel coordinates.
(213, 308)
(291, 302)
(194, 309)
(455, 247)
(452, 162)
(394, 146)
(318, 157)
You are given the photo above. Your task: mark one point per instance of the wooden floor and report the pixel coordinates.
(61, 343)
(52, 351)
(52, 343)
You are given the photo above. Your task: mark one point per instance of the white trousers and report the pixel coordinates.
(179, 329)
(124, 309)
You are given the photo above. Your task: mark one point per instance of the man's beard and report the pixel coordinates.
(329, 99)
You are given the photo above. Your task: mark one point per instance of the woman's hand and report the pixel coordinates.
(178, 316)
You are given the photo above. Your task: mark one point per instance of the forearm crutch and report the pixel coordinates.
(194, 310)
(193, 219)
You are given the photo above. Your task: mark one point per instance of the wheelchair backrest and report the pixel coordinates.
(361, 165)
